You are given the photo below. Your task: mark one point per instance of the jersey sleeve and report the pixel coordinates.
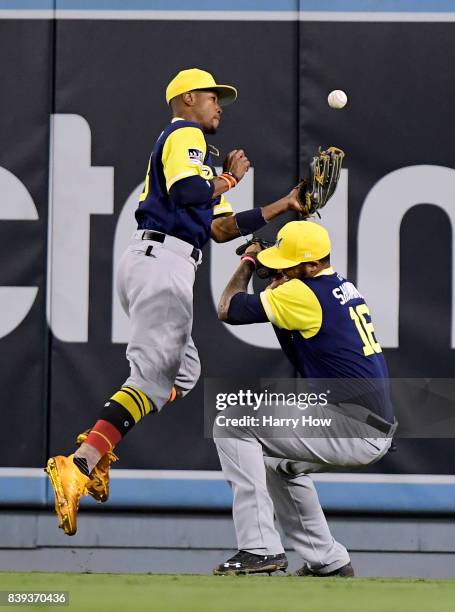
(183, 155)
(294, 306)
(223, 208)
(246, 308)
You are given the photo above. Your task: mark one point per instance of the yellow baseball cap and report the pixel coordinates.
(194, 78)
(297, 242)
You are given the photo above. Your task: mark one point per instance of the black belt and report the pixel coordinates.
(379, 423)
(160, 237)
(152, 235)
(370, 419)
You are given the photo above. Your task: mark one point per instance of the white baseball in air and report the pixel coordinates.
(337, 99)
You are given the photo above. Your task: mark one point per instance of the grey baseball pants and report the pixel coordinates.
(156, 292)
(271, 476)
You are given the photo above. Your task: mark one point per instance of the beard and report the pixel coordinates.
(210, 129)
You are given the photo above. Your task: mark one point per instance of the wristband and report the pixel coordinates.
(248, 258)
(229, 178)
(231, 174)
(249, 221)
(226, 180)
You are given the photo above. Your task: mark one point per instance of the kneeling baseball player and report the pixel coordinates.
(325, 329)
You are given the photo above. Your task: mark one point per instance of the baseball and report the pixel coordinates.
(337, 99)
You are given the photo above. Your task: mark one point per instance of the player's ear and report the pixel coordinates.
(189, 98)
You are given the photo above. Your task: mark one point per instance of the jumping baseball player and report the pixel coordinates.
(181, 206)
(324, 327)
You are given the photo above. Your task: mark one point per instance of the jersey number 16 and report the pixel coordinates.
(365, 329)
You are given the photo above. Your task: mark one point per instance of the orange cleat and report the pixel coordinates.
(69, 485)
(98, 484)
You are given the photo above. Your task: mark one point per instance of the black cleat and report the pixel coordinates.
(347, 571)
(244, 562)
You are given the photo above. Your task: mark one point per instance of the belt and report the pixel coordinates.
(363, 415)
(374, 421)
(163, 238)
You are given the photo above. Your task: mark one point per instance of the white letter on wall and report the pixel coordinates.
(379, 238)
(76, 190)
(126, 225)
(223, 262)
(15, 204)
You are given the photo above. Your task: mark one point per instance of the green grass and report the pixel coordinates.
(167, 593)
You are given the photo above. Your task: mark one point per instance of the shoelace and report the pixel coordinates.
(112, 457)
(96, 482)
(239, 557)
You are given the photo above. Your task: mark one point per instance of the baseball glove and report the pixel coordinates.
(261, 271)
(315, 191)
(265, 244)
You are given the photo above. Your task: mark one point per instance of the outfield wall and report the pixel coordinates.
(204, 490)
(194, 543)
(82, 101)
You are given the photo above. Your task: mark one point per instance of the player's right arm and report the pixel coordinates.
(291, 305)
(188, 180)
(236, 306)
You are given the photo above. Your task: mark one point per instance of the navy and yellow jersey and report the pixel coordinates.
(324, 327)
(181, 152)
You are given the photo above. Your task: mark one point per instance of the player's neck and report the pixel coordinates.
(185, 115)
